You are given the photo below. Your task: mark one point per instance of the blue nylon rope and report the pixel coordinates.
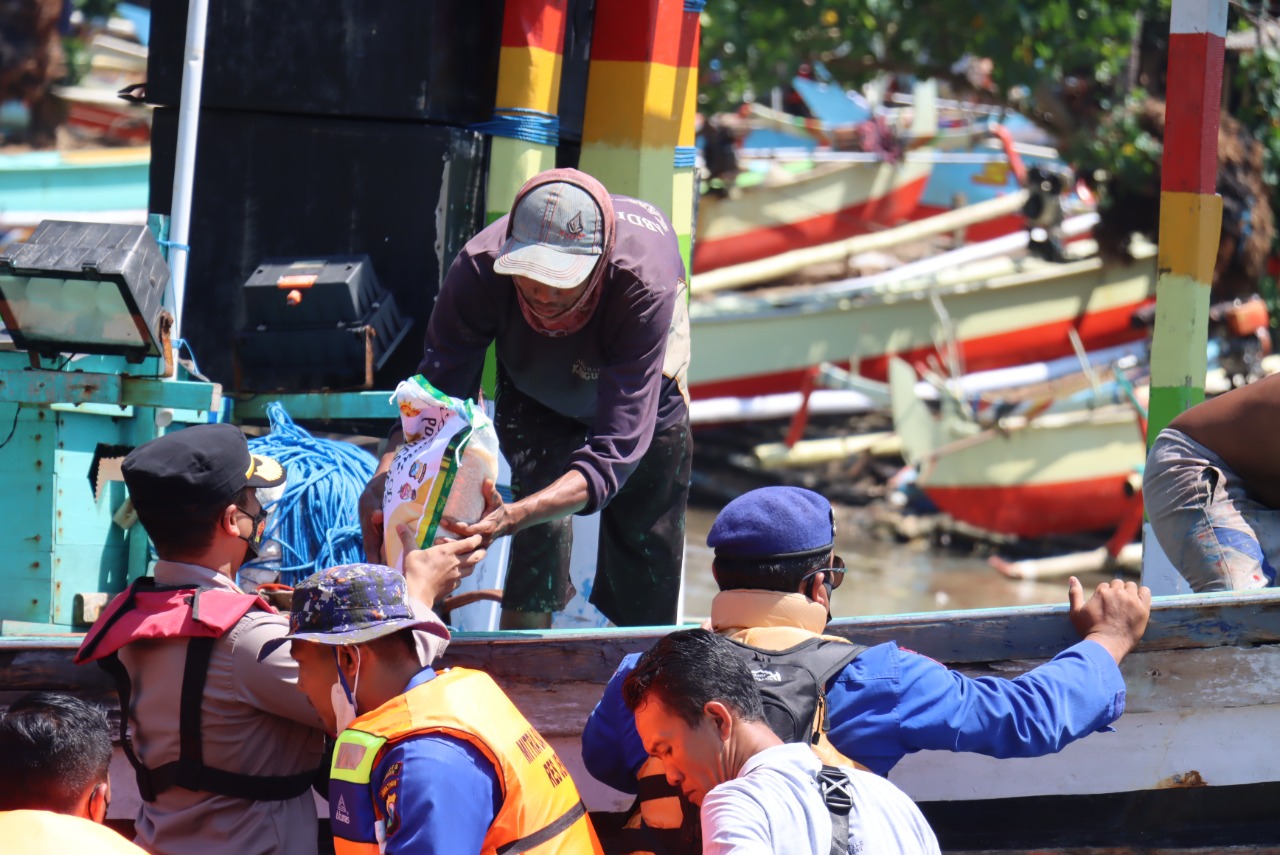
(686, 156)
(316, 521)
(520, 123)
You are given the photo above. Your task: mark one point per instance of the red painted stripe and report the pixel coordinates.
(638, 31)
(534, 23)
(815, 231)
(1191, 123)
(1032, 344)
(690, 38)
(1038, 510)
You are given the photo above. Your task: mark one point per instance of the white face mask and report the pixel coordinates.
(343, 700)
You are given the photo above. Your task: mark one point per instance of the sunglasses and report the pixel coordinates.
(835, 573)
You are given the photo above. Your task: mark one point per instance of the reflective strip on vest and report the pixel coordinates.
(541, 809)
(353, 756)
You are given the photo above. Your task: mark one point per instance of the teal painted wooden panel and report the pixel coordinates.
(26, 504)
(89, 550)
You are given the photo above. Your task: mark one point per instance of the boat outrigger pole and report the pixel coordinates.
(1190, 226)
(184, 170)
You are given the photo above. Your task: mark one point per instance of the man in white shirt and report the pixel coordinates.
(698, 709)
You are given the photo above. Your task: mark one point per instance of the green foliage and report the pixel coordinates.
(1258, 79)
(749, 47)
(1121, 155)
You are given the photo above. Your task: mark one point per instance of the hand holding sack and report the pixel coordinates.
(450, 450)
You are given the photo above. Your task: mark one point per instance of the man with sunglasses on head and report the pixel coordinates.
(776, 568)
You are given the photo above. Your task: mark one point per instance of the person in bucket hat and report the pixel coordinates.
(425, 761)
(776, 567)
(583, 294)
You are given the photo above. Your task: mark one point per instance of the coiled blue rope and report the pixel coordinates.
(686, 156)
(520, 123)
(317, 520)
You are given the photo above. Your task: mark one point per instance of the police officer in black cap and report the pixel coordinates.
(226, 766)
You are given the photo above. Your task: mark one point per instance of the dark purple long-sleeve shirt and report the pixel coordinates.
(623, 375)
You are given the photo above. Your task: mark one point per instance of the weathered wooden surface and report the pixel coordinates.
(556, 677)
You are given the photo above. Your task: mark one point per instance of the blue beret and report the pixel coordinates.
(773, 522)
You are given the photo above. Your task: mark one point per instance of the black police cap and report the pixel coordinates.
(195, 468)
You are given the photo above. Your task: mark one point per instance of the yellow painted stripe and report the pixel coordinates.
(132, 154)
(529, 77)
(686, 108)
(1189, 227)
(511, 164)
(1182, 318)
(629, 104)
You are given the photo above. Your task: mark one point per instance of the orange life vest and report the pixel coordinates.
(541, 810)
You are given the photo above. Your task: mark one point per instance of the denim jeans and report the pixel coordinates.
(1214, 532)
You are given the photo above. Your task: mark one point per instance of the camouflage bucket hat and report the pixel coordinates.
(352, 604)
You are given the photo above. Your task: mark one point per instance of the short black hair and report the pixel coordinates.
(688, 669)
(778, 574)
(53, 747)
(395, 645)
(178, 535)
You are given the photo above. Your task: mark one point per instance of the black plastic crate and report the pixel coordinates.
(407, 195)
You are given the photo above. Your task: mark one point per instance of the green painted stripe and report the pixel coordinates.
(1167, 403)
(449, 465)
(1178, 358)
(686, 252)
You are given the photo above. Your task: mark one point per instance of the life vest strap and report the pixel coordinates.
(555, 828)
(189, 770)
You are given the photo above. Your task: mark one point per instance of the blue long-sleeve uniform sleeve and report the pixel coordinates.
(890, 702)
(611, 747)
(439, 795)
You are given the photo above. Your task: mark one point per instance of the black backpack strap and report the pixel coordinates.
(124, 690)
(830, 658)
(837, 794)
(189, 770)
(825, 661)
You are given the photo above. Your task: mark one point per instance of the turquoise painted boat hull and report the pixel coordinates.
(112, 184)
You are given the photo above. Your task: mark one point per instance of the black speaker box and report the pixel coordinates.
(433, 60)
(408, 195)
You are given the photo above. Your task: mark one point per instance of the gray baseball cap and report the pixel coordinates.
(557, 236)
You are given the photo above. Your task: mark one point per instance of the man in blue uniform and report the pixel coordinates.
(776, 568)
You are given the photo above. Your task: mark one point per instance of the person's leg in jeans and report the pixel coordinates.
(537, 443)
(641, 550)
(1207, 524)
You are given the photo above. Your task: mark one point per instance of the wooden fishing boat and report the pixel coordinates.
(1060, 473)
(1189, 766)
(995, 314)
(803, 204)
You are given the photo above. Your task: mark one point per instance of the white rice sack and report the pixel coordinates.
(450, 449)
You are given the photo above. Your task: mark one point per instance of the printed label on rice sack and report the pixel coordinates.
(450, 449)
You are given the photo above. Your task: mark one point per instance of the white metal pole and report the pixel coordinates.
(185, 163)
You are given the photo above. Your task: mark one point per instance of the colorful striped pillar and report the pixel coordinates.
(1190, 225)
(684, 185)
(1190, 209)
(631, 127)
(525, 127)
